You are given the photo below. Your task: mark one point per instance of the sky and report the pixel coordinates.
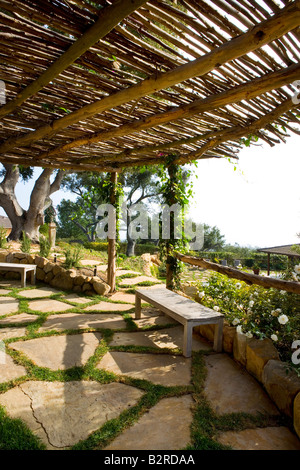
(256, 205)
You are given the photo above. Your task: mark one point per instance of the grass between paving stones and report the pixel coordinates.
(206, 424)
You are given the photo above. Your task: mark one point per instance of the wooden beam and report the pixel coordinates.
(265, 32)
(234, 133)
(112, 253)
(109, 17)
(266, 282)
(250, 90)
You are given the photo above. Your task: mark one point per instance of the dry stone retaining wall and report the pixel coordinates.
(261, 360)
(55, 275)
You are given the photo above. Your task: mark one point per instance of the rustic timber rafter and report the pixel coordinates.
(88, 93)
(109, 17)
(249, 90)
(267, 31)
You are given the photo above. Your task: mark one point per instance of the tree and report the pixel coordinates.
(140, 186)
(213, 239)
(28, 220)
(92, 190)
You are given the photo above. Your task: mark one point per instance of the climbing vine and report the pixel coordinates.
(177, 188)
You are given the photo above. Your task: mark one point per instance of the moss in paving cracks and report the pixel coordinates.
(14, 435)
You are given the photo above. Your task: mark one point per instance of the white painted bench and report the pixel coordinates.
(185, 311)
(23, 269)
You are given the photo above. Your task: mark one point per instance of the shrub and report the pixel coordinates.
(26, 243)
(257, 312)
(45, 247)
(73, 257)
(3, 240)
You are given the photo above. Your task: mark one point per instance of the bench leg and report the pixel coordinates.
(218, 338)
(33, 277)
(187, 339)
(137, 307)
(23, 278)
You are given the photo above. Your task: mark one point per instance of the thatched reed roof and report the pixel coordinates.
(110, 84)
(284, 250)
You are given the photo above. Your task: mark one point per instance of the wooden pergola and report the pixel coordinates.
(108, 85)
(284, 250)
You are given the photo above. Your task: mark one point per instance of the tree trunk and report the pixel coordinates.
(29, 220)
(130, 250)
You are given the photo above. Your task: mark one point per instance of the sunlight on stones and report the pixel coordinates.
(9, 370)
(109, 307)
(20, 318)
(230, 389)
(35, 293)
(160, 369)
(49, 305)
(168, 423)
(6, 333)
(76, 321)
(60, 352)
(8, 305)
(270, 438)
(171, 338)
(62, 414)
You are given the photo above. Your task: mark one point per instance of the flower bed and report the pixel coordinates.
(261, 328)
(255, 311)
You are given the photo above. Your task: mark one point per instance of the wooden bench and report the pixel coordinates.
(23, 269)
(185, 311)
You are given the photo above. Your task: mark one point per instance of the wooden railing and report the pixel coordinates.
(263, 281)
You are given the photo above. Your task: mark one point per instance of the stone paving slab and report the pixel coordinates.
(59, 352)
(270, 438)
(152, 321)
(75, 321)
(123, 297)
(20, 318)
(231, 389)
(8, 305)
(77, 299)
(165, 427)
(109, 307)
(48, 305)
(136, 280)
(4, 291)
(6, 333)
(171, 338)
(38, 292)
(9, 370)
(62, 414)
(160, 369)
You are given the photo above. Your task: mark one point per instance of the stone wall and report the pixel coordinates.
(56, 276)
(261, 360)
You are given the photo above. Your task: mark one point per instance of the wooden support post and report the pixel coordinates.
(112, 253)
(268, 264)
(169, 256)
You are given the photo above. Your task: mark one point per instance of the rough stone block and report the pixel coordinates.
(239, 348)
(40, 274)
(228, 338)
(100, 287)
(281, 385)
(258, 353)
(40, 261)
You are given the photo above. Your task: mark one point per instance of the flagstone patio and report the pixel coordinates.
(119, 362)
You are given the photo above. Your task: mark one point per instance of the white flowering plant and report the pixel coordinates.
(255, 311)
